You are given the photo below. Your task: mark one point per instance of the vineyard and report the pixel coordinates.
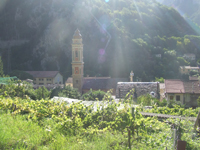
(48, 124)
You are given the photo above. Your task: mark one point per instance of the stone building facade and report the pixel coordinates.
(140, 88)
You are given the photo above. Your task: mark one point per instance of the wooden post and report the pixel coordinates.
(133, 109)
(129, 138)
(174, 139)
(181, 145)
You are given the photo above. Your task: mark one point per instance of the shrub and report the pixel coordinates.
(22, 90)
(173, 104)
(148, 100)
(42, 93)
(67, 91)
(94, 95)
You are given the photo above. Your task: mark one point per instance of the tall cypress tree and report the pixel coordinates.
(1, 68)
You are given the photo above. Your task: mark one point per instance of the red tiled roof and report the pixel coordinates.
(174, 86)
(43, 74)
(192, 87)
(178, 86)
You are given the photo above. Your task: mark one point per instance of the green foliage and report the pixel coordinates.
(23, 90)
(161, 79)
(148, 100)
(174, 103)
(67, 91)
(42, 93)
(57, 124)
(182, 61)
(21, 75)
(141, 29)
(145, 100)
(93, 95)
(177, 110)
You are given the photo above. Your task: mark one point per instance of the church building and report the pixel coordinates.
(84, 84)
(77, 61)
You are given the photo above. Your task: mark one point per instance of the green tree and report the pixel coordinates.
(182, 61)
(93, 95)
(161, 79)
(67, 91)
(21, 75)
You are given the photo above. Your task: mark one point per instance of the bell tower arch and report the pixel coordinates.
(77, 61)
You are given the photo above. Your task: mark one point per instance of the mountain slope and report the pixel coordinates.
(118, 36)
(187, 8)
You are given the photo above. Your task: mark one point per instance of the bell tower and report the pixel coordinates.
(77, 61)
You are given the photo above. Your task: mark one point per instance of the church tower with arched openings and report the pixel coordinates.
(77, 61)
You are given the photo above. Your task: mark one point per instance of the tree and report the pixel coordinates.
(161, 79)
(21, 75)
(1, 68)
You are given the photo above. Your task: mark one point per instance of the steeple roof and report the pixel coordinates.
(77, 34)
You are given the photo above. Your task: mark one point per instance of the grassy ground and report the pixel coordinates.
(18, 133)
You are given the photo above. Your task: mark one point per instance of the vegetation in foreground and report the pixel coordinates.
(26, 123)
(46, 124)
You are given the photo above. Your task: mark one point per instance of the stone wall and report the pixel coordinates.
(140, 88)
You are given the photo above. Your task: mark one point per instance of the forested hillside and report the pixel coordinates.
(118, 36)
(189, 9)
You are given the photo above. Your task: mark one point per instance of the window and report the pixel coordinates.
(171, 97)
(76, 53)
(76, 81)
(76, 70)
(41, 79)
(178, 98)
(41, 83)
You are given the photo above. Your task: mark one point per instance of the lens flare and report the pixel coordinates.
(101, 58)
(101, 51)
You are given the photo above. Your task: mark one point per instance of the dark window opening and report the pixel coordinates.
(76, 81)
(178, 97)
(76, 53)
(171, 97)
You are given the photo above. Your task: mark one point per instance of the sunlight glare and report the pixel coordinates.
(2, 4)
(137, 9)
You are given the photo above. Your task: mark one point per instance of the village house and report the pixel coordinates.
(158, 55)
(187, 69)
(190, 57)
(46, 77)
(186, 92)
